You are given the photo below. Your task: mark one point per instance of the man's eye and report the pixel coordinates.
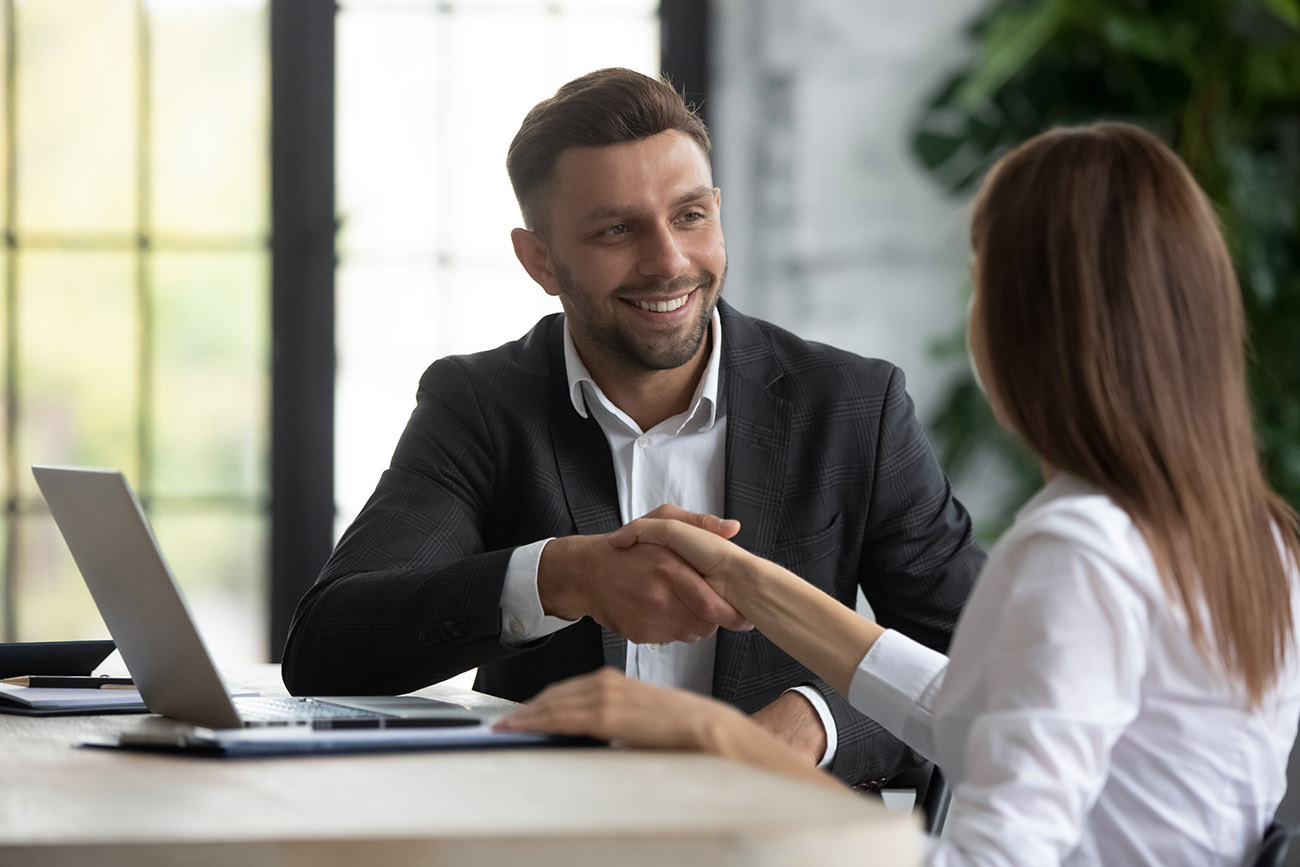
(693, 216)
(620, 229)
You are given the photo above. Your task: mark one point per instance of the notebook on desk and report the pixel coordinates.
(120, 560)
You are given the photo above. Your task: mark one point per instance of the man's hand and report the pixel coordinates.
(645, 593)
(793, 719)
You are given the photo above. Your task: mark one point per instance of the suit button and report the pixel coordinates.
(425, 637)
(453, 629)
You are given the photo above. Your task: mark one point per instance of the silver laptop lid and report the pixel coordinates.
(114, 547)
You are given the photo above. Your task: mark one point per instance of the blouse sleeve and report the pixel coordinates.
(895, 685)
(1052, 687)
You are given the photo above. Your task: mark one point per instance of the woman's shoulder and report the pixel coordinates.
(1077, 522)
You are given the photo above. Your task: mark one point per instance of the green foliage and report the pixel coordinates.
(1219, 80)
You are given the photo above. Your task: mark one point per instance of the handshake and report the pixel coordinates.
(656, 579)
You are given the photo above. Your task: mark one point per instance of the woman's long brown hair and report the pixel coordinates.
(1113, 329)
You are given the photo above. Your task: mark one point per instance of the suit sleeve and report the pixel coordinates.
(919, 563)
(410, 596)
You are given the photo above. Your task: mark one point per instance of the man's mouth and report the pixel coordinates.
(663, 306)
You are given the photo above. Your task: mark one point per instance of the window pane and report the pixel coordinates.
(376, 379)
(4, 371)
(517, 304)
(219, 560)
(52, 602)
(210, 368)
(426, 202)
(593, 37)
(77, 115)
(78, 357)
(386, 132)
(4, 138)
(481, 113)
(209, 86)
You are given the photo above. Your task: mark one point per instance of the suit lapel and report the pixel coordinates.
(758, 439)
(586, 473)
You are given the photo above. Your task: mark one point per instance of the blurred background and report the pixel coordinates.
(237, 231)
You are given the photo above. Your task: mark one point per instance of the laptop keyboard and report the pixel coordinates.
(270, 709)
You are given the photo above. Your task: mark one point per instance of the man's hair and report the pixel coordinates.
(605, 107)
(1112, 323)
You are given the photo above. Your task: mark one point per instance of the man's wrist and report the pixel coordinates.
(795, 720)
(522, 618)
(557, 584)
(827, 719)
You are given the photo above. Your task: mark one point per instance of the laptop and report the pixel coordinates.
(114, 547)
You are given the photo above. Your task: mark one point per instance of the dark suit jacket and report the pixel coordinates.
(827, 469)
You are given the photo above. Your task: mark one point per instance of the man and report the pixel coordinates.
(483, 544)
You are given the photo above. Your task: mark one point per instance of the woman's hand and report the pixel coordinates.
(828, 638)
(609, 706)
(626, 712)
(699, 539)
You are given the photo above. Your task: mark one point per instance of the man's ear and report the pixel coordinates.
(532, 253)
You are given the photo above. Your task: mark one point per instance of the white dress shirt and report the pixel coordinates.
(681, 461)
(1076, 721)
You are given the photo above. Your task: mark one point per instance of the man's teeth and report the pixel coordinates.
(662, 306)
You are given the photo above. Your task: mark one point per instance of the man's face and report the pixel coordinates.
(636, 252)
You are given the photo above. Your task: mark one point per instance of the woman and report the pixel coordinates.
(1122, 687)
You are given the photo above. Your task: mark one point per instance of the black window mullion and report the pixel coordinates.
(684, 49)
(302, 302)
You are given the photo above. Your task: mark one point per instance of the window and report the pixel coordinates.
(429, 97)
(134, 323)
(135, 326)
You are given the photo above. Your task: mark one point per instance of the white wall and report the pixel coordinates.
(832, 230)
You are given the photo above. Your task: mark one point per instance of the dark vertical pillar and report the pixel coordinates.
(302, 302)
(684, 49)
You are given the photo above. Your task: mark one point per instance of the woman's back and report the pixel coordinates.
(1073, 675)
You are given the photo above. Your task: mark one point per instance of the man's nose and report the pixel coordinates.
(662, 254)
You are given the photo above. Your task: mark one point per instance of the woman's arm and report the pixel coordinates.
(827, 637)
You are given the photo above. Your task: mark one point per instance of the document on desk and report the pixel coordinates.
(33, 701)
(301, 740)
(46, 701)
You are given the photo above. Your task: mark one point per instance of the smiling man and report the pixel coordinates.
(485, 542)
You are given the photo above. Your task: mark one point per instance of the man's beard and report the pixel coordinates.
(623, 347)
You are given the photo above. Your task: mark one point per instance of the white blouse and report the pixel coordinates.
(1074, 719)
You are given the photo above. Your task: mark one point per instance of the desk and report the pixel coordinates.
(539, 807)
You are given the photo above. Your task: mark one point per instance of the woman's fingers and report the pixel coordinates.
(699, 547)
(724, 528)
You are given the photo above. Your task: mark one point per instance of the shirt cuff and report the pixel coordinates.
(818, 701)
(895, 685)
(522, 618)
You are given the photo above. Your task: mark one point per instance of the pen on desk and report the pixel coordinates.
(68, 682)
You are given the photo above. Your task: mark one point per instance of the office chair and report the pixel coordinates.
(1273, 848)
(934, 802)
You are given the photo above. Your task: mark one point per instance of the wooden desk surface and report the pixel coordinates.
(60, 805)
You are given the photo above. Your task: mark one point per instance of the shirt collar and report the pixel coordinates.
(1061, 485)
(706, 393)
